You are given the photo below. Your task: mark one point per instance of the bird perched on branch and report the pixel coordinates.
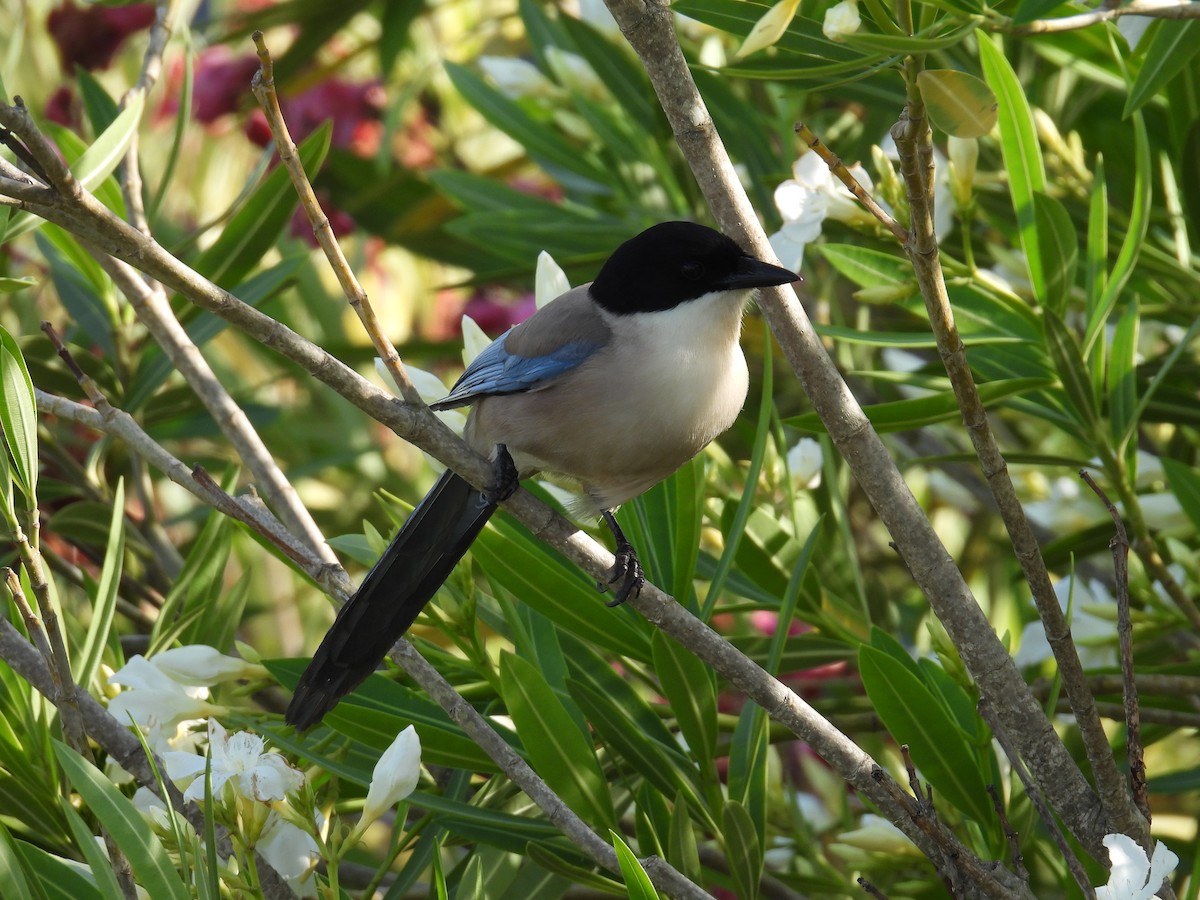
(614, 384)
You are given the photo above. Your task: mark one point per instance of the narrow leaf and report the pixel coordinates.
(959, 104)
(1122, 376)
(18, 416)
(637, 882)
(691, 688)
(1169, 49)
(1018, 145)
(104, 600)
(742, 849)
(559, 751)
(905, 415)
(915, 716)
(150, 862)
(1058, 246)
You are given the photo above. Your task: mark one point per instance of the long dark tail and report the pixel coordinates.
(413, 567)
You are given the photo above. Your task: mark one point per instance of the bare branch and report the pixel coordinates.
(264, 90)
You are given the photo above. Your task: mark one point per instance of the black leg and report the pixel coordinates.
(627, 569)
(505, 479)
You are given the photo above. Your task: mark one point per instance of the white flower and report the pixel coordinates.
(239, 759)
(1093, 634)
(809, 197)
(1132, 876)
(516, 78)
(550, 280)
(159, 705)
(290, 851)
(198, 664)
(841, 20)
(395, 775)
(770, 28)
(964, 154)
(475, 340)
(804, 463)
(875, 833)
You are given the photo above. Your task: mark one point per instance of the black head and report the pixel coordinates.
(673, 262)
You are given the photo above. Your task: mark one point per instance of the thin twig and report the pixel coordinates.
(1119, 545)
(1034, 792)
(263, 86)
(838, 168)
(108, 419)
(1010, 834)
(1158, 9)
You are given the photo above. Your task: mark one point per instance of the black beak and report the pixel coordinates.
(752, 273)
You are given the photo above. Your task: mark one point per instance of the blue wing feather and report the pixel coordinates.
(496, 371)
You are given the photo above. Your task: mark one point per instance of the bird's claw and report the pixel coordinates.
(627, 568)
(505, 478)
(628, 571)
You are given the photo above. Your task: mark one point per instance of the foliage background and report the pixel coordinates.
(446, 178)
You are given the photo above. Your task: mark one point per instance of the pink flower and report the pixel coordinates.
(495, 314)
(61, 107)
(222, 83)
(90, 36)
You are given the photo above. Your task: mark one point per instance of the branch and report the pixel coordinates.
(1158, 9)
(649, 28)
(914, 144)
(264, 90)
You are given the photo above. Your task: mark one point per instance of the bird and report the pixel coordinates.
(613, 385)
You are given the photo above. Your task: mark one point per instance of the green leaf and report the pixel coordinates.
(104, 599)
(905, 415)
(905, 44)
(959, 104)
(916, 339)
(1122, 376)
(18, 416)
(637, 882)
(101, 866)
(104, 155)
(866, 267)
(690, 687)
(542, 143)
(915, 716)
(661, 765)
(556, 589)
(1058, 247)
(742, 849)
(57, 878)
(1068, 363)
(149, 861)
(102, 110)
(1018, 146)
(748, 764)
(1185, 484)
(1028, 10)
(1131, 246)
(257, 225)
(12, 873)
(12, 285)
(1164, 55)
(682, 851)
(559, 751)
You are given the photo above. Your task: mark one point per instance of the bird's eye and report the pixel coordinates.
(692, 271)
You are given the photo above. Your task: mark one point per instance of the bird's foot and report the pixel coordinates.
(505, 478)
(627, 569)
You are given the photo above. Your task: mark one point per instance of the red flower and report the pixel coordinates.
(90, 36)
(61, 107)
(496, 315)
(222, 83)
